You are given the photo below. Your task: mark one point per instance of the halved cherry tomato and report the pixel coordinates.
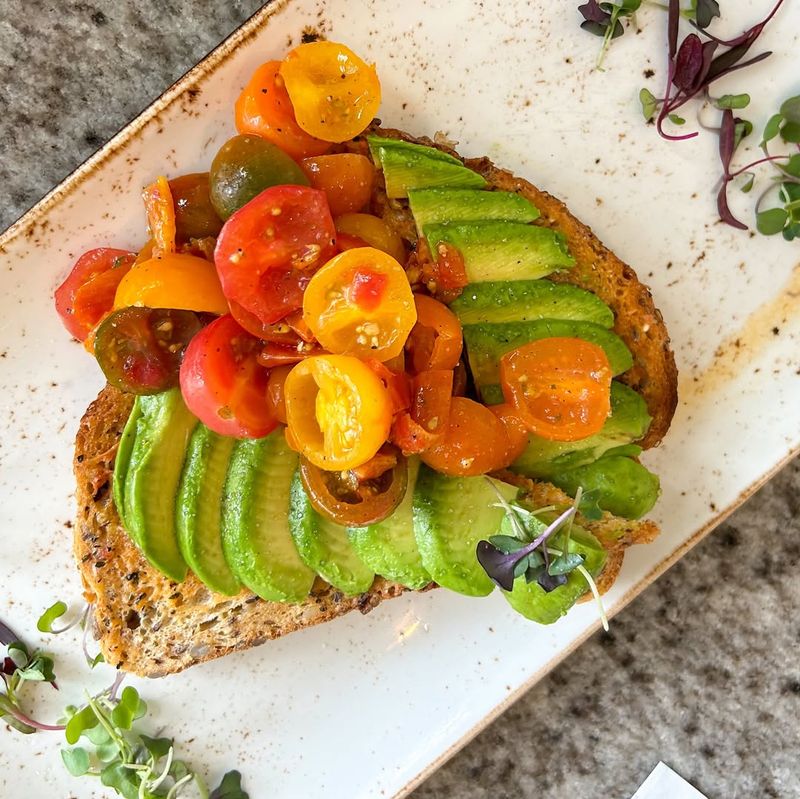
(360, 303)
(338, 411)
(411, 437)
(146, 253)
(87, 294)
(431, 400)
(344, 241)
(374, 231)
(269, 249)
(173, 281)
(560, 387)
(515, 430)
(222, 382)
(436, 340)
(273, 354)
(444, 274)
(195, 217)
(160, 209)
(346, 499)
(264, 108)
(346, 178)
(475, 441)
(334, 93)
(397, 384)
(276, 395)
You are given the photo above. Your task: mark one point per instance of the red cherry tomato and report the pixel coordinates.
(87, 295)
(269, 249)
(222, 382)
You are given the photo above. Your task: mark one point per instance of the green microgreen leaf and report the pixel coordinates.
(649, 104)
(157, 747)
(792, 166)
(772, 128)
(129, 708)
(792, 232)
(230, 787)
(732, 101)
(750, 178)
(790, 109)
(506, 543)
(790, 132)
(564, 564)
(123, 780)
(588, 506)
(55, 611)
(741, 129)
(76, 760)
(79, 723)
(676, 120)
(771, 221)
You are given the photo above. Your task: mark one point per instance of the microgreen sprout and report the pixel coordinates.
(605, 19)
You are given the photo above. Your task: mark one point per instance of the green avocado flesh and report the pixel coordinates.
(502, 250)
(380, 145)
(153, 476)
(435, 206)
(256, 540)
(629, 421)
(199, 509)
(404, 170)
(389, 547)
(123, 459)
(498, 302)
(538, 605)
(451, 515)
(487, 343)
(324, 546)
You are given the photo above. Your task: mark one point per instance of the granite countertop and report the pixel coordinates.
(701, 671)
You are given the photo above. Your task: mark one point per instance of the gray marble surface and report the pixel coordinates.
(701, 671)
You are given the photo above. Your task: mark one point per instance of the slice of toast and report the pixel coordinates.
(151, 626)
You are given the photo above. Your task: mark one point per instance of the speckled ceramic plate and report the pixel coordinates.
(366, 706)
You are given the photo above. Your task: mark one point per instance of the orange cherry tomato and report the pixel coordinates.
(432, 399)
(338, 411)
(160, 210)
(411, 437)
(346, 178)
(515, 430)
(436, 340)
(274, 354)
(372, 230)
(264, 109)
(276, 394)
(334, 93)
(173, 281)
(560, 387)
(475, 441)
(397, 384)
(360, 303)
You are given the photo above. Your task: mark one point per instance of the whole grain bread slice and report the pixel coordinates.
(152, 626)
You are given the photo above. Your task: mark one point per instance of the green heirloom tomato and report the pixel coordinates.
(244, 167)
(195, 217)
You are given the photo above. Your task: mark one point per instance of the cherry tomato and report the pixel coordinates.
(338, 411)
(173, 281)
(411, 437)
(344, 241)
(264, 109)
(374, 231)
(276, 395)
(360, 303)
(436, 340)
(160, 209)
(273, 354)
(475, 441)
(223, 384)
(358, 497)
(244, 167)
(432, 394)
(268, 250)
(560, 387)
(445, 275)
(87, 294)
(334, 93)
(397, 384)
(515, 430)
(346, 178)
(195, 217)
(140, 349)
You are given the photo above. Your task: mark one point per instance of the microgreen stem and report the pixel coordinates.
(167, 766)
(79, 619)
(748, 167)
(593, 587)
(37, 725)
(118, 740)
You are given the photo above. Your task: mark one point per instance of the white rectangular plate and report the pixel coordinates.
(364, 707)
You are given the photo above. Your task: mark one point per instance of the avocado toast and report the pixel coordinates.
(152, 625)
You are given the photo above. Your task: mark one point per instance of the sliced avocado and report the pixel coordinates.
(538, 605)
(487, 343)
(497, 302)
(404, 170)
(199, 509)
(451, 514)
(433, 206)
(378, 145)
(389, 547)
(154, 473)
(502, 250)
(255, 526)
(123, 458)
(629, 421)
(622, 485)
(324, 546)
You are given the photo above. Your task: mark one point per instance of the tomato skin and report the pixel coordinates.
(374, 232)
(334, 93)
(264, 109)
(432, 400)
(436, 340)
(346, 178)
(560, 387)
(195, 217)
(445, 275)
(160, 209)
(411, 437)
(515, 430)
(276, 394)
(222, 382)
(87, 293)
(474, 443)
(273, 354)
(397, 384)
(265, 274)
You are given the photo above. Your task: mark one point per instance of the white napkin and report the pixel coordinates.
(664, 783)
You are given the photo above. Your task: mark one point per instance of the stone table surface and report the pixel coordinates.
(701, 671)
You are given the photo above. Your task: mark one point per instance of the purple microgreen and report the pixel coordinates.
(689, 63)
(7, 635)
(591, 12)
(673, 21)
(549, 582)
(603, 19)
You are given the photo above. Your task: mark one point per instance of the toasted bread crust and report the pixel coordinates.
(151, 626)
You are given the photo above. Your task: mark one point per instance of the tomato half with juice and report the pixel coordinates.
(222, 382)
(269, 249)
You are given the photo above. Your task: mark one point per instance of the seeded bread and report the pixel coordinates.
(151, 626)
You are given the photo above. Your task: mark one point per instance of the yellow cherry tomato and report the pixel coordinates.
(173, 281)
(360, 303)
(338, 411)
(160, 208)
(366, 229)
(334, 93)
